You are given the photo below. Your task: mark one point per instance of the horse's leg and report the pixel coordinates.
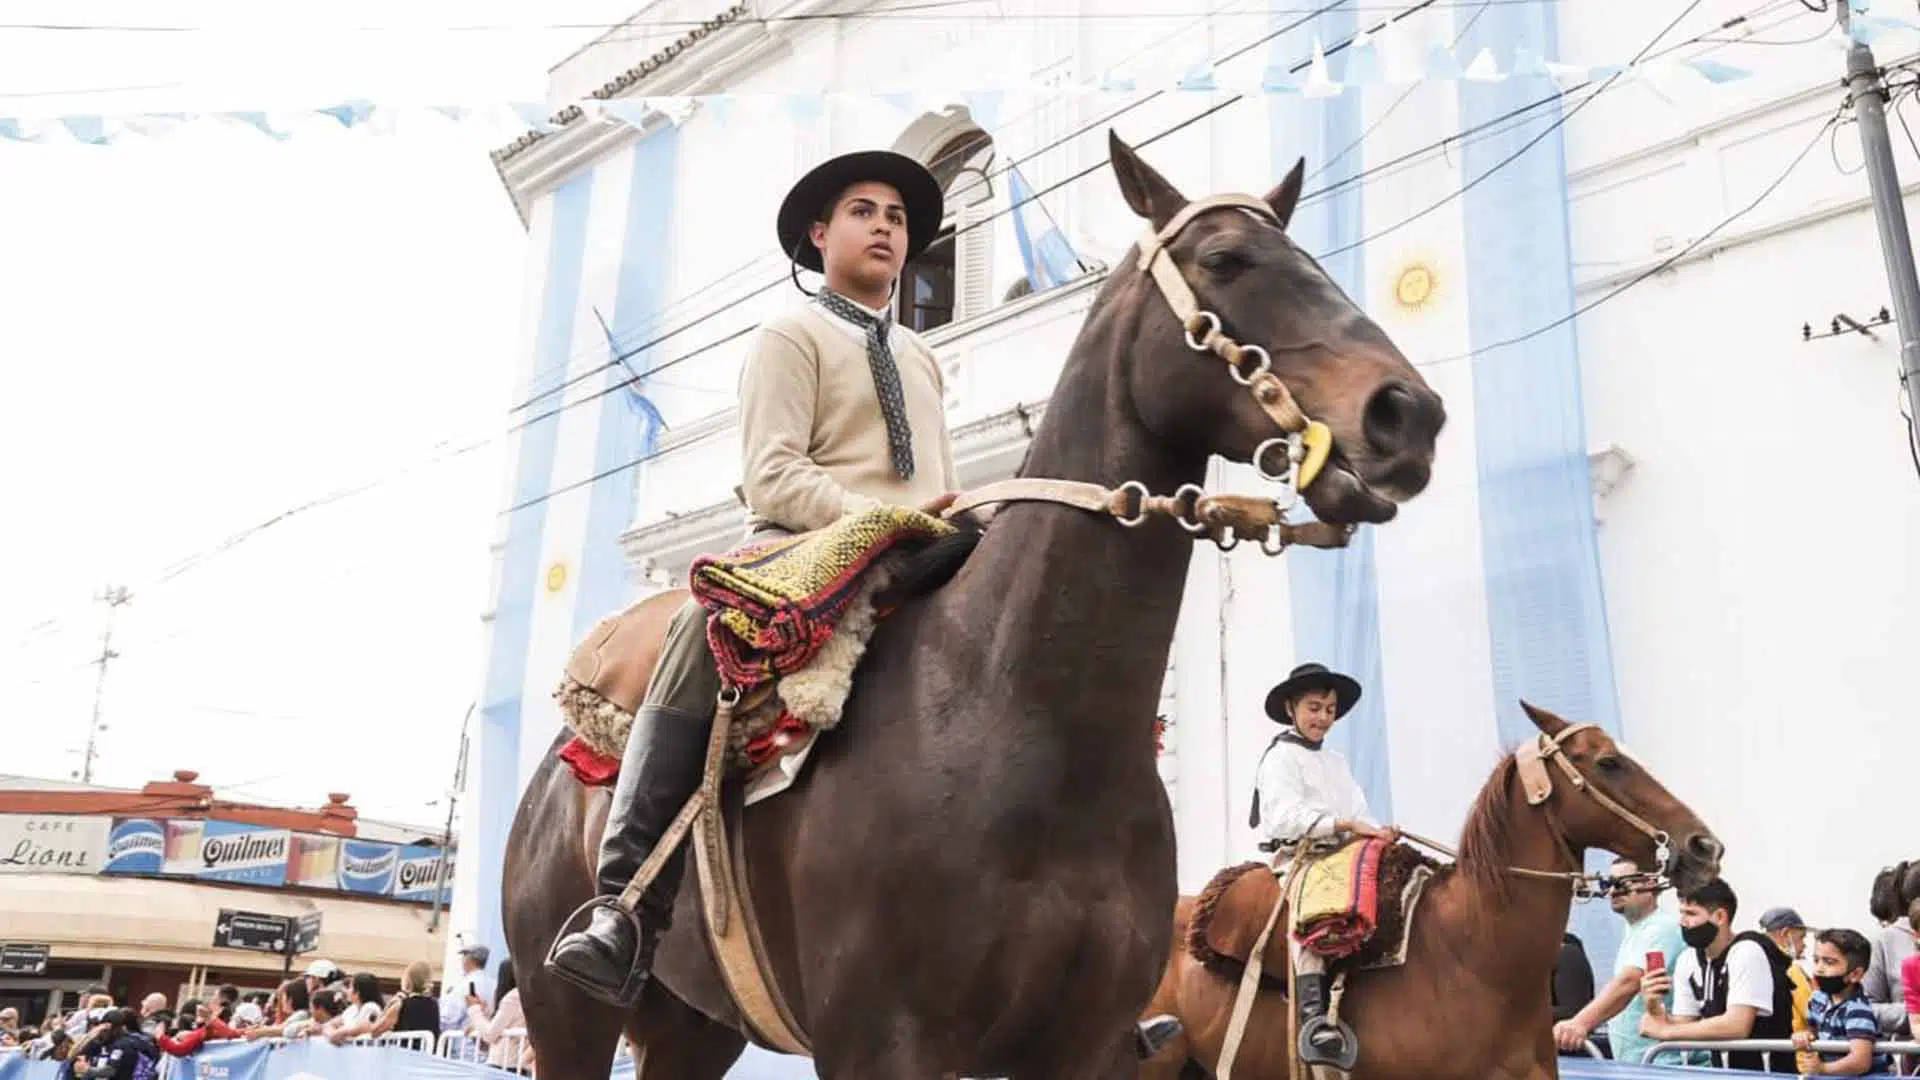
(672, 1041)
(573, 1035)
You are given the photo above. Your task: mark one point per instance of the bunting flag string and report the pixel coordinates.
(1368, 61)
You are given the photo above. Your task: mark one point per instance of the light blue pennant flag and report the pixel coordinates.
(633, 113)
(12, 131)
(1198, 77)
(91, 130)
(983, 106)
(1115, 82)
(1528, 64)
(805, 108)
(1278, 80)
(350, 113)
(534, 115)
(722, 106)
(1716, 71)
(1363, 65)
(257, 121)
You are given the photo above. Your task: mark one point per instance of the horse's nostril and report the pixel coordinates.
(1401, 418)
(1704, 847)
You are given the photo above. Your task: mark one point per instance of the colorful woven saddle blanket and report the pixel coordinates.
(775, 604)
(790, 619)
(1229, 913)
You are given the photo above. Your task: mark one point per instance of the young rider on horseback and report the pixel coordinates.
(840, 410)
(1304, 791)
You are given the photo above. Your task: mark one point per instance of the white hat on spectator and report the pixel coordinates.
(322, 969)
(248, 1015)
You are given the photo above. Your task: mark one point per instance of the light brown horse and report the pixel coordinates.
(1471, 1001)
(973, 875)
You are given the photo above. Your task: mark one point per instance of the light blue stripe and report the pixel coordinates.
(1334, 597)
(640, 293)
(1546, 610)
(520, 564)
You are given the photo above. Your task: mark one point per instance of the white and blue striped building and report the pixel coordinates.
(1671, 516)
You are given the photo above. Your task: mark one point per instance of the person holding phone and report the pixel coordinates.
(1652, 938)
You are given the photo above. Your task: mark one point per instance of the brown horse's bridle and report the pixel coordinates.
(1537, 782)
(1225, 519)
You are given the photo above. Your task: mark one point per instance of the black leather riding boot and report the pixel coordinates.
(1322, 1042)
(660, 771)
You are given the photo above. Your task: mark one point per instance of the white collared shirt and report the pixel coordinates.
(1304, 791)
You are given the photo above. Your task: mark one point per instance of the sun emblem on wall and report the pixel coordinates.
(1414, 286)
(556, 577)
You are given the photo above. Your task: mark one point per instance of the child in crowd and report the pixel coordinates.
(1839, 1011)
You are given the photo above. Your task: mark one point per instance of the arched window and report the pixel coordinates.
(952, 279)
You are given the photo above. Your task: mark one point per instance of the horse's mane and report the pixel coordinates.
(1486, 841)
(926, 569)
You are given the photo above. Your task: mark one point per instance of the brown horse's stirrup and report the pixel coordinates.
(1152, 1035)
(628, 991)
(1311, 1053)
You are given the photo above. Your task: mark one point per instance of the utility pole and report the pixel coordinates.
(446, 838)
(114, 597)
(1867, 92)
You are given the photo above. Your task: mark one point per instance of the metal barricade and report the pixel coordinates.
(422, 1041)
(1902, 1052)
(1592, 1050)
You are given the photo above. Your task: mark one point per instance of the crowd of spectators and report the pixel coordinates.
(110, 1042)
(1688, 976)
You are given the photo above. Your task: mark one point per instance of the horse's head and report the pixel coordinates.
(1603, 798)
(1262, 299)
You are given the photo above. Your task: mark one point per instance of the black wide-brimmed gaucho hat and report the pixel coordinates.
(814, 192)
(1307, 678)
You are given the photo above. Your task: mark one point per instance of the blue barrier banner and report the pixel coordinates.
(311, 1060)
(225, 1061)
(17, 1067)
(1586, 1068)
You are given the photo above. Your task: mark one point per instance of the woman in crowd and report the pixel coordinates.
(413, 1009)
(365, 1004)
(507, 1016)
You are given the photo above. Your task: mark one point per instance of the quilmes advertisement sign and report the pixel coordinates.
(255, 855)
(53, 843)
(419, 875)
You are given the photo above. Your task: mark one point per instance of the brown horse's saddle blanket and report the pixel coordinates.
(791, 618)
(1230, 912)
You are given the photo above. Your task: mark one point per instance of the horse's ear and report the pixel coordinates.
(1286, 197)
(1549, 724)
(1145, 190)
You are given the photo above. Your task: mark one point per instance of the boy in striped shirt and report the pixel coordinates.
(1839, 1012)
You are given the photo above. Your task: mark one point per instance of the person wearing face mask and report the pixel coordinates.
(1725, 986)
(1840, 1011)
(1303, 791)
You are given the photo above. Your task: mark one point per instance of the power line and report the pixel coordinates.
(925, 12)
(1666, 263)
(1643, 54)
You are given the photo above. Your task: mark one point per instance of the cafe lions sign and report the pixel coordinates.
(52, 843)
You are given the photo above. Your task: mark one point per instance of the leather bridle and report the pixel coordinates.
(1225, 519)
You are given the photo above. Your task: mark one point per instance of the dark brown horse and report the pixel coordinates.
(974, 874)
(1470, 1002)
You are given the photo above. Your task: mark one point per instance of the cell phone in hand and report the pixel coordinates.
(1656, 961)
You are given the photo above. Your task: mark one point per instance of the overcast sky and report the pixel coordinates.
(203, 330)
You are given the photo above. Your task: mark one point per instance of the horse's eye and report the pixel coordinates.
(1610, 764)
(1223, 263)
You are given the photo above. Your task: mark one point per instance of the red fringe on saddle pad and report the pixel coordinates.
(595, 769)
(1343, 933)
(589, 766)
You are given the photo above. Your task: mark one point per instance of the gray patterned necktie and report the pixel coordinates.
(886, 376)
